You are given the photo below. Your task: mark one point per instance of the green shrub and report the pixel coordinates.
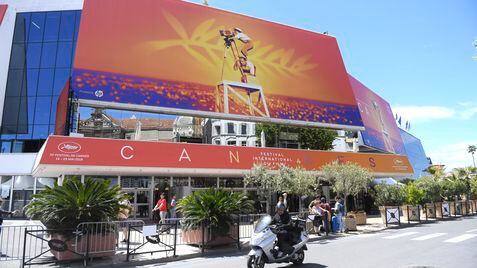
(64, 207)
(431, 187)
(414, 195)
(215, 206)
(389, 195)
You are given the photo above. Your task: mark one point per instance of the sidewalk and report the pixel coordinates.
(374, 224)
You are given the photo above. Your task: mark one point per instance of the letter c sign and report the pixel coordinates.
(126, 152)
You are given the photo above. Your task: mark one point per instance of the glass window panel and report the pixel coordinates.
(6, 146)
(40, 131)
(77, 24)
(52, 129)
(63, 58)
(10, 111)
(45, 82)
(61, 76)
(33, 55)
(32, 81)
(14, 83)
(36, 27)
(17, 147)
(67, 26)
(21, 26)
(31, 101)
(42, 110)
(28, 133)
(23, 114)
(48, 55)
(52, 25)
(17, 60)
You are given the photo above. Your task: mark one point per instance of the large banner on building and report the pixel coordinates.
(61, 155)
(177, 57)
(381, 130)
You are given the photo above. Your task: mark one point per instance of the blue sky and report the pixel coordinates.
(415, 54)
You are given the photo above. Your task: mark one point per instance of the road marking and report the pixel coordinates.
(460, 238)
(429, 236)
(471, 231)
(400, 235)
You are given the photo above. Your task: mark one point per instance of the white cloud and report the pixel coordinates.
(418, 114)
(452, 155)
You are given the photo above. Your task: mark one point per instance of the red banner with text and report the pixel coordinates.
(60, 150)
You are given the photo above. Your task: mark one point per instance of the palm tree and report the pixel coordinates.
(472, 149)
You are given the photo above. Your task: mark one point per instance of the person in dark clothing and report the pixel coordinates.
(4, 212)
(326, 216)
(282, 218)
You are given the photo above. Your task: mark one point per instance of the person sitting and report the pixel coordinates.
(282, 219)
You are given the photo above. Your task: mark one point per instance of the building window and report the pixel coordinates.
(217, 130)
(244, 129)
(40, 65)
(217, 142)
(244, 143)
(232, 142)
(231, 128)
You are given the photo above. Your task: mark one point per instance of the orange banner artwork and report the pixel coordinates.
(179, 57)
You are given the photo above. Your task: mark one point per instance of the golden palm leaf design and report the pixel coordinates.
(206, 46)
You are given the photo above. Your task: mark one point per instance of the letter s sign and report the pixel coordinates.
(127, 152)
(372, 162)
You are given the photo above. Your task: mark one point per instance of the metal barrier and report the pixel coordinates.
(59, 246)
(162, 235)
(104, 236)
(12, 244)
(392, 215)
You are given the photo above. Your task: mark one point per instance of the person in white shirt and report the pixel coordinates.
(245, 39)
(282, 201)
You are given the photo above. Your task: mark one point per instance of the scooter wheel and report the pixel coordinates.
(252, 262)
(300, 257)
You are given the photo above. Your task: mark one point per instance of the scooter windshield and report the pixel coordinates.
(263, 223)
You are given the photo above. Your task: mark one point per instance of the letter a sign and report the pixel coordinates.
(184, 155)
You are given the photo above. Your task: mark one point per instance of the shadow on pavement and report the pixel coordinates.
(306, 265)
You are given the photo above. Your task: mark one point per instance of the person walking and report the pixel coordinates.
(326, 214)
(123, 215)
(172, 210)
(161, 205)
(339, 213)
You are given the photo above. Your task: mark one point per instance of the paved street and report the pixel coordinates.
(442, 244)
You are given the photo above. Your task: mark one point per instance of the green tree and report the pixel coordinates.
(431, 187)
(316, 138)
(414, 195)
(308, 137)
(347, 178)
(472, 149)
(291, 180)
(390, 195)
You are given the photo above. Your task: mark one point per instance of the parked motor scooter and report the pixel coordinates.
(264, 243)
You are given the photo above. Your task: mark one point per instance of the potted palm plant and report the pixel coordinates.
(209, 216)
(389, 196)
(414, 198)
(63, 207)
